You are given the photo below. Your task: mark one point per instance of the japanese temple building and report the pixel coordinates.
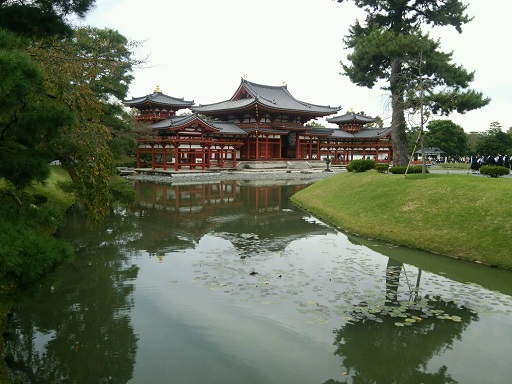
(258, 123)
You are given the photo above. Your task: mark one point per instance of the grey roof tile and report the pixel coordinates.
(351, 116)
(337, 133)
(159, 98)
(176, 122)
(271, 97)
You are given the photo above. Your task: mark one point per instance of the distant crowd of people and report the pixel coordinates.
(500, 160)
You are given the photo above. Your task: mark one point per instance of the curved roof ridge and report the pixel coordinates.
(159, 98)
(283, 88)
(243, 102)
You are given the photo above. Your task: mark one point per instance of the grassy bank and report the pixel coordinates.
(456, 215)
(56, 196)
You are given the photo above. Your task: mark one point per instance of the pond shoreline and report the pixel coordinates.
(201, 177)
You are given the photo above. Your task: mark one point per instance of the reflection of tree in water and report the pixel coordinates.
(78, 330)
(379, 347)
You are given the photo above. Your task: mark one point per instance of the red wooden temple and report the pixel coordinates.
(258, 123)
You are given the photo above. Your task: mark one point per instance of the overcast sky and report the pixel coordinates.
(200, 49)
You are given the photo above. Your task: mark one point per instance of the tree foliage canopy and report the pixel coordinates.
(59, 97)
(29, 120)
(392, 47)
(41, 17)
(447, 136)
(88, 72)
(494, 141)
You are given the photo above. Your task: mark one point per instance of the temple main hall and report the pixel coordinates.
(258, 123)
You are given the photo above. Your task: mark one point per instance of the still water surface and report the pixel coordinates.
(230, 283)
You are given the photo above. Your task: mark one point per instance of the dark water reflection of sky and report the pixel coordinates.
(232, 284)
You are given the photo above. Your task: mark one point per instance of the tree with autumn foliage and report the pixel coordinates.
(89, 72)
(59, 97)
(391, 46)
(29, 119)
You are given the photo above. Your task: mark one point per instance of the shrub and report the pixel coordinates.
(400, 170)
(494, 170)
(382, 167)
(27, 249)
(361, 165)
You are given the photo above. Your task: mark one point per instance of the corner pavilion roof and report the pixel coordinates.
(158, 99)
(351, 117)
(364, 133)
(184, 121)
(276, 98)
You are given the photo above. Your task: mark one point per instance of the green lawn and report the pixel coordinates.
(56, 196)
(456, 215)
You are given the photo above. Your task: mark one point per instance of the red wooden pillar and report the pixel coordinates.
(176, 156)
(152, 156)
(164, 156)
(203, 160)
(223, 155)
(234, 157)
(257, 154)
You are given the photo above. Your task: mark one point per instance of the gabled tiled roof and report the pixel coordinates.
(351, 117)
(367, 133)
(159, 99)
(227, 128)
(372, 132)
(177, 122)
(271, 97)
(228, 105)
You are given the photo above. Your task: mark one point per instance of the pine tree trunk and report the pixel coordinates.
(398, 126)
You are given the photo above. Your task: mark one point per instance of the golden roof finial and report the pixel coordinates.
(157, 89)
(351, 110)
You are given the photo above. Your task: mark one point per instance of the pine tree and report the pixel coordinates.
(392, 47)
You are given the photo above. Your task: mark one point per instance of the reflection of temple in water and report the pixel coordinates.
(185, 198)
(178, 216)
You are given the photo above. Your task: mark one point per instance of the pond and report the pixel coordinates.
(228, 282)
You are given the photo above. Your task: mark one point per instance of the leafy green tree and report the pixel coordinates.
(473, 139)
(447, 136)
(88, 72)
(378, 123)
(412, 135)
(314, 124)
(392, 48)
(494, 141)
(28, 118)
(41, 17)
